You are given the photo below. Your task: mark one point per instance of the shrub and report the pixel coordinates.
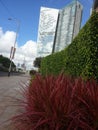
(59, 103)
(32, 72)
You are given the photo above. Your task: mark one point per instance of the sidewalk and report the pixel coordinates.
(9, 91)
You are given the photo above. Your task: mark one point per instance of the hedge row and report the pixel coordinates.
(80, 58)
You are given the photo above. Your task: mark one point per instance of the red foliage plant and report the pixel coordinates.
(59, 103)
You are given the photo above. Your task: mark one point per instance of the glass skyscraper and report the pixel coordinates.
(69, 22)
(46, 32)
(57, 28)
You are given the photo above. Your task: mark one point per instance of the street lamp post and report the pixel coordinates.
(13, 48)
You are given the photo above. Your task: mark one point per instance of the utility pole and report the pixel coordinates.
(13, 49)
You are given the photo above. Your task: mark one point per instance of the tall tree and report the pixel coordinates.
(37, 62)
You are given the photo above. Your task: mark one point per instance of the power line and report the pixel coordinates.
(6, 8)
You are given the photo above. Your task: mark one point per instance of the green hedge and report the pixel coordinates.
(80, 58)
(53, 63)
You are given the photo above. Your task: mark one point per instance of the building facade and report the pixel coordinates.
(57, 28)
(69, 23)
(46, 31)
(95, 6)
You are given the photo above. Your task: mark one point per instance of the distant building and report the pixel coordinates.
(21, 67)
(95, 7)
(46, 31)
(57, 28)
(91, 11)
(69, 23)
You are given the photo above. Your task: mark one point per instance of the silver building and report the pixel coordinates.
(46, 31)
(57, 28)
(69, 23)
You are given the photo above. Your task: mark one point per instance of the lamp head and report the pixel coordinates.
(9, 18)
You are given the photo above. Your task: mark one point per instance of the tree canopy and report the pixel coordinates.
(5, 63)
(37, 62)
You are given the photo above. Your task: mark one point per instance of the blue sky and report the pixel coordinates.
(27, 12)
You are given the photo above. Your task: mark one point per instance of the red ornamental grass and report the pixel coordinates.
(58, 103)
(86, 96)
(90, 102)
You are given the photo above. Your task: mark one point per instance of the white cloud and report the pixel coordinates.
(6, 40)
(27, 52)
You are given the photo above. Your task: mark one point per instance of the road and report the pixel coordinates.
(9, 91)
(11, 74)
